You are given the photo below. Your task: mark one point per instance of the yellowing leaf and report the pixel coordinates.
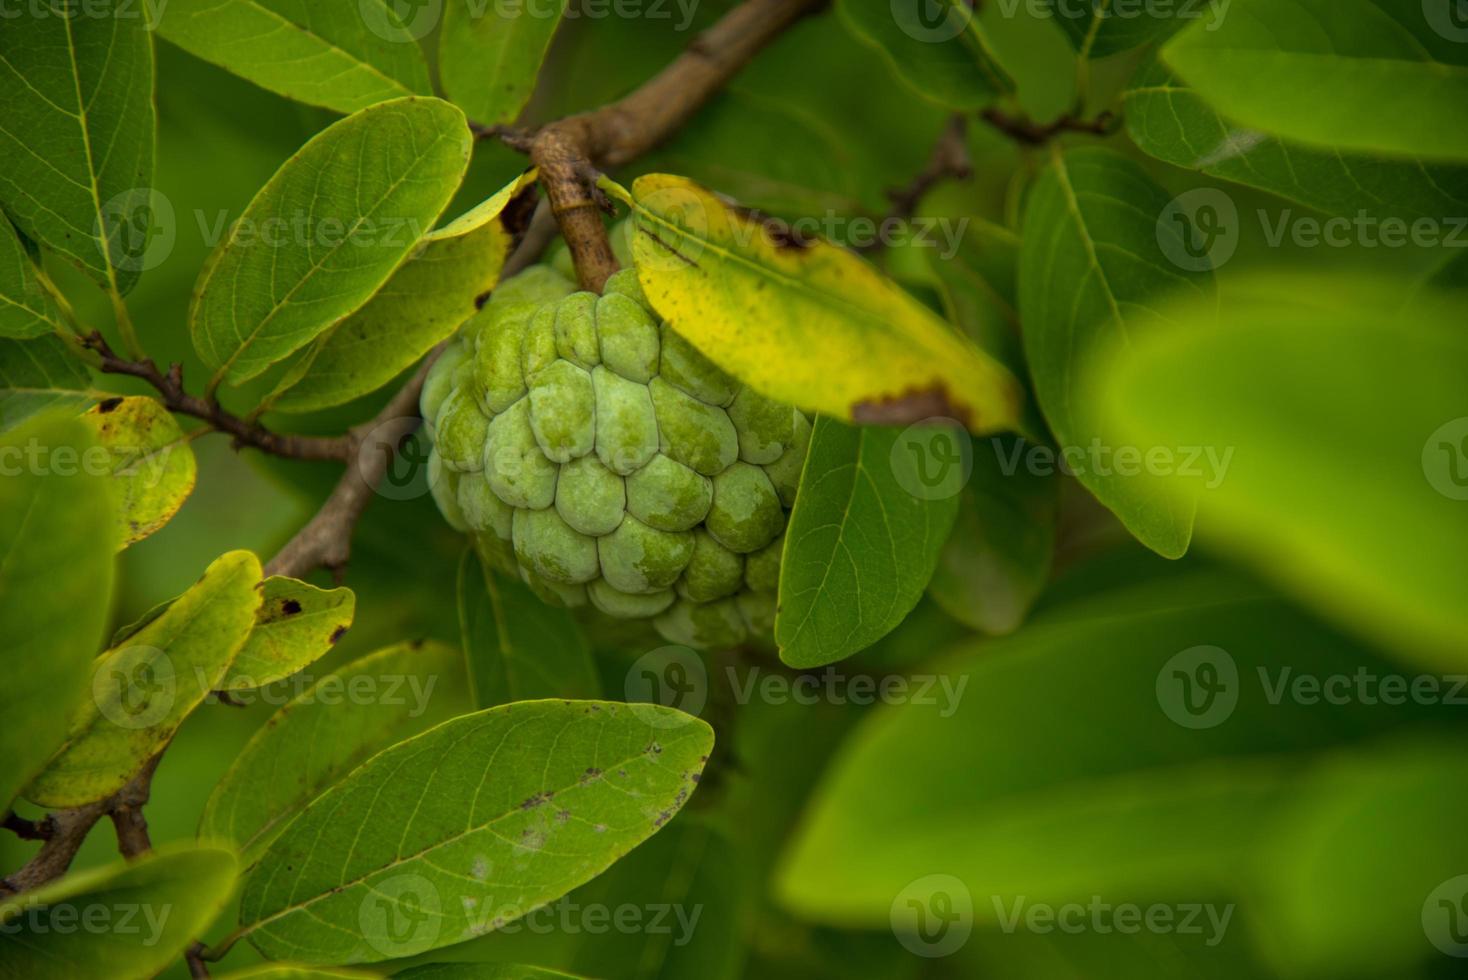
(427, 299)
(143, 689)
(803, 320)
(295, 625)
(153, 468)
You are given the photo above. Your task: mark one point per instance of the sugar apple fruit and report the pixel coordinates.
(596, 452)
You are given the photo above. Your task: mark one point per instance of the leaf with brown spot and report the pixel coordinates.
(296, 624)
(803, 320)
(151, 463)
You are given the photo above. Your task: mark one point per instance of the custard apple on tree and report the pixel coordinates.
(598, 453)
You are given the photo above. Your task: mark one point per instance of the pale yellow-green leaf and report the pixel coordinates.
(803, 320)
(426, 300)
(152, 466)
(142, 690)
(295, 625)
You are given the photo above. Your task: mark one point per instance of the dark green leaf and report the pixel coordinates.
(469, 826)
(874, 508)
(152, 909)
(998, 557)
(38, 375)
(1098, 253)
(519, 648)
(77, 132)
(936, 47)
(56, 547)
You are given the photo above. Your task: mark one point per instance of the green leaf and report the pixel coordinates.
(25, 309)
(938, 50)
(490, 55)
(152, 909)
(519, 648)
(341, 56)
(1141, 785)
(761, 302)
(874, 508)
(37, 376)
(1407, 792)
(1278, 388)
(681, 898)
(77, 134)
(151, 463)
(997, 560)
(295, 625)
(1096, 255)
(1169, 121)
(468, 826)
(426, 300)
(142, 692)
(326, 232)
(1095, 30)
(290, 971)
(325, 733)
(480, 971)
(56, 531)
(1376, 76)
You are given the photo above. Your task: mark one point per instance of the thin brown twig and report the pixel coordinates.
(569, 150)
(948, 161)
(68, 829)
(1024, 130)
(29, 829)
(175, 398)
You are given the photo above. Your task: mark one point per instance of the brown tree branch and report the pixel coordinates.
(171, 389)
(949, 161)
(65, 831)
(569, 151)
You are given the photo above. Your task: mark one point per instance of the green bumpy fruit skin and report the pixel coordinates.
(593, 450)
